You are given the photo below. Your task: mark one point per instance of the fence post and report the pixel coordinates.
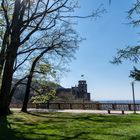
(98, 106)
(48, 105)
(129, 107)
(59, 106)
(83, 106)
(113, 106)
(70, 106)
(36, 106)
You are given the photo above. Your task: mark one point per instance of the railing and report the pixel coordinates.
(86, 106)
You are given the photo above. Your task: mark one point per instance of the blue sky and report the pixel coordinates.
(103, 37)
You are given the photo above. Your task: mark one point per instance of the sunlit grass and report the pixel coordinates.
(66, 126)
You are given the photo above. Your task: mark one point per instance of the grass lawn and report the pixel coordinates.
(66, 126)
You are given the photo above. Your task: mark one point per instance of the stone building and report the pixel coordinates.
(77, 93)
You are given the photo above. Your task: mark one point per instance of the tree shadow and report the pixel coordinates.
(6, 131)
(20, 129)
(37, 114)
(45, 115)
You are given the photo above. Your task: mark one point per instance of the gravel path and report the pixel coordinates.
(75, 111)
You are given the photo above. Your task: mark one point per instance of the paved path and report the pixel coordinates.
(76, 111)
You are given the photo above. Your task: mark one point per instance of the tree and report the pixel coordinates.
(135, 74)
(62, 43)
(46, 91)
(131, 53)
(21, 21)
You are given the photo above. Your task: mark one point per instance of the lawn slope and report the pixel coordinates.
(67, 126)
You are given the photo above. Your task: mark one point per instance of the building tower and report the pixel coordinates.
(82, 86)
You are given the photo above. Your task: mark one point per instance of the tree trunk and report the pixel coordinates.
(28, 85)
(14, 88)
(27, 92)
(10, 54)
(3, 49)
(7, 82)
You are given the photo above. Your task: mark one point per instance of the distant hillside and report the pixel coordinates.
(20, 90)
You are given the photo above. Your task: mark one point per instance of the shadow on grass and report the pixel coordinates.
(5, 129)
(8, 133)
(85, 117)
(62, 126)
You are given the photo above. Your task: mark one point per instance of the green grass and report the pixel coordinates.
(66, 126)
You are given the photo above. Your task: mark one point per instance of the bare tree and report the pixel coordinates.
(61, 43)
(21, 21)
(131, 53)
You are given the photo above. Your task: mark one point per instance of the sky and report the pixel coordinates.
(104, 36)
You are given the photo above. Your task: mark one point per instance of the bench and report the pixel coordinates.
(122, 112)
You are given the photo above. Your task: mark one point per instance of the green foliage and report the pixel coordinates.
(67, 126)
(45, 92)
(133, 13)
(45, 70)
(135, 74)
(131, 53)
(128, 53)
(44, 98)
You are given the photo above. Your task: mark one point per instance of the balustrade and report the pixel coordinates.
(86, 106)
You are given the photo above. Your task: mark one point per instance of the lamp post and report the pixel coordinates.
(133, 92)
